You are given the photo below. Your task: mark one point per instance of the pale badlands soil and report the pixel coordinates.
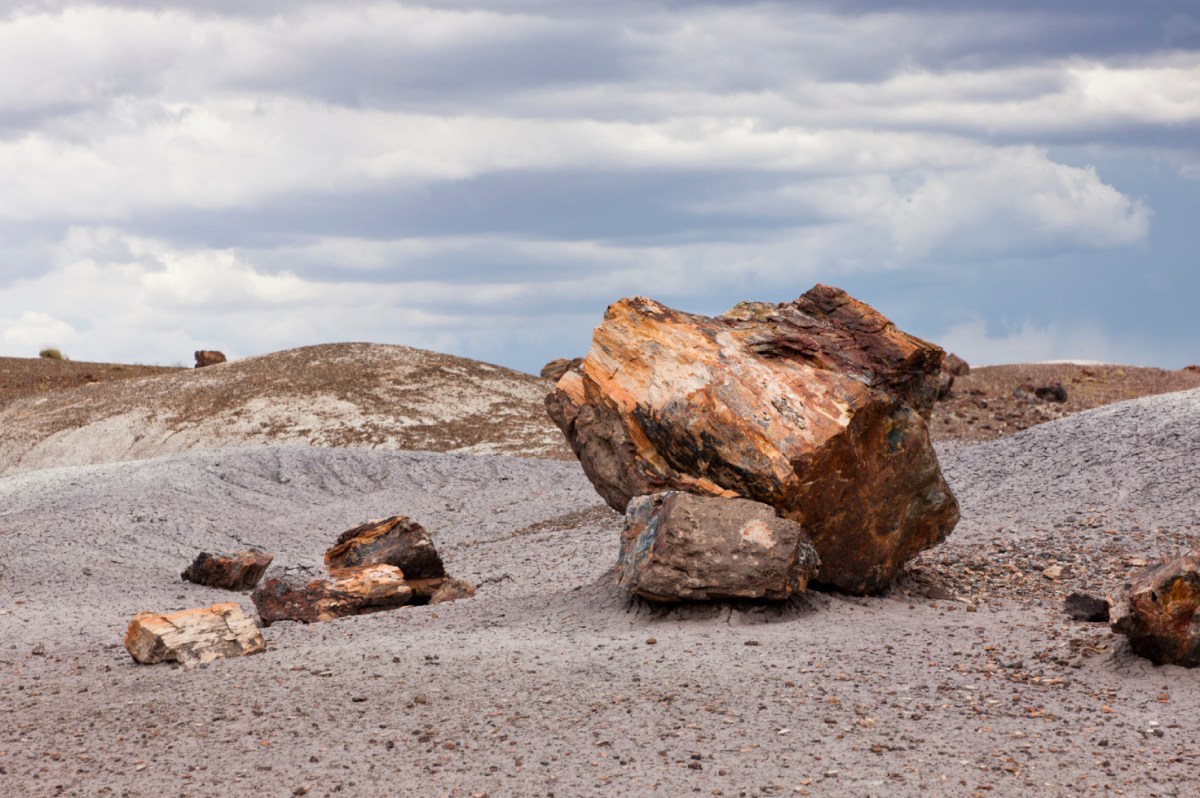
(967, 679)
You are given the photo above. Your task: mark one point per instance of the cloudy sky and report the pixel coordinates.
(483, 177)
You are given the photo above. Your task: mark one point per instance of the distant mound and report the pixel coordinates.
(1132, 462)
(351, 395)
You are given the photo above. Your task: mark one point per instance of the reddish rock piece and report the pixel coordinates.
(397, 541)
(681, 547)
(554, 370)
(301, 595)
(192, 637)
(816, 407)
(238, 571)
(208, 357)
(1158, 612)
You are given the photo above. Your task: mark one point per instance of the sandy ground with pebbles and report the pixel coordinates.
(967, 679)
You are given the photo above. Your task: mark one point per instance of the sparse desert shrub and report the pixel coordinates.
(51, 353)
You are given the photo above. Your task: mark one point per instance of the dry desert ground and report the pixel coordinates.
(967, 678)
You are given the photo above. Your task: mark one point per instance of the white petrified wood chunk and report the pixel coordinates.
(195, 636)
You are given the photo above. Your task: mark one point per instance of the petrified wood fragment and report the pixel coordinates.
(683, 547)
(193, 636)
(1159, 612)
(302, 595)
(238, 571)
(397, 541)
(816, 407)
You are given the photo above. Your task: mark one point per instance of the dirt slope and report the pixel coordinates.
(353, 395)
(982, 405)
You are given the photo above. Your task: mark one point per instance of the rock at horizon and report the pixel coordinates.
(816, 407)
(209, 357)
(679, 546)
(555, 369)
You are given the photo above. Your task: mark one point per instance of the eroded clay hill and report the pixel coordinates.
(354, 395)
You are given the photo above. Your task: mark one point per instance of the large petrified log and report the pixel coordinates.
(1160, 612)
(679, 547)
(397, 541)
(238, 571)
(300, 594)
(816, 407)
(192, 637)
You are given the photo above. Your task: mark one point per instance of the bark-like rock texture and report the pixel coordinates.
(238, 571)
(192, 637)
(682, 547)
(1159, 612)
(816, 407)
(302, 595)
(397, 541)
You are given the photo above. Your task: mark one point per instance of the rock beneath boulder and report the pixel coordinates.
(208, 357)
(678, 546)
(397, 541)
(956, 365)
(452, 589)
(816, 407)
(192, 637)
(300, 594)
(555, 369)
(238, 571)
(1159, 612)
(1084, 607)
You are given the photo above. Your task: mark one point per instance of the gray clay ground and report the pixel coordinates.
(966, 680)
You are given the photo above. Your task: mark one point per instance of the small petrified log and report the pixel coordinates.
(192, 637)
(302, 595)
(554, 370)
(1158, 612)
(209, 357)
(1085, 607)
(397, 541)
(238, 571)
(681, 547)
(816, 407)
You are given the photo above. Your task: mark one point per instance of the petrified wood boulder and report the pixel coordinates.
(1159, 612)
(397, 541)
(194, 636)
(300, 594)
(238, 571)
(816, 407)
(680, 547)
(209, 357)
